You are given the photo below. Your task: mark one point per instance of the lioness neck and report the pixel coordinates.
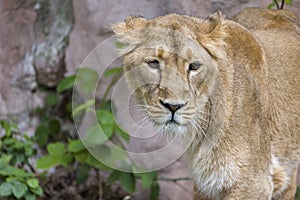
(240, 109)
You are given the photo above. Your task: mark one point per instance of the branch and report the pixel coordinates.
(100, 192)
(111, 84)
(175, 179)
(276, 3)
(282, 4)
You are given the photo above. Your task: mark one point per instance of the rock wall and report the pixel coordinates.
(28, 26)
(34, 37)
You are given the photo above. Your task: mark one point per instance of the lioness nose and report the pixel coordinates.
(172, 107)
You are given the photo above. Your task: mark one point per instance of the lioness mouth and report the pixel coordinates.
(172, 121)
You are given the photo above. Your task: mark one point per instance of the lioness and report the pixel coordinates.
(232, 91)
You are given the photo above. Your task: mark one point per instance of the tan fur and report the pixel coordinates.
(241, 113)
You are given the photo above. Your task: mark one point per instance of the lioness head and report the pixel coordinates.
(170, 67)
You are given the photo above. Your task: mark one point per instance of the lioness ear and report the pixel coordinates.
(130, 23)
(128, 31)
(214, 22)
(136, 22)
(212, 33)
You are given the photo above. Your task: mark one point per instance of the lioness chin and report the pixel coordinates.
(231, 88)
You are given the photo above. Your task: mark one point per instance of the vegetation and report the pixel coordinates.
(62, 149)
(275, 3)
(17, 176)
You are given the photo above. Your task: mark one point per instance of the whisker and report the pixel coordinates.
(132, 109)
(204, 134)
(141, 120)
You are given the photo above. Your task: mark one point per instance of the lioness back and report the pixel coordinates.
(230, 88)
(253, 18)
(278, 32)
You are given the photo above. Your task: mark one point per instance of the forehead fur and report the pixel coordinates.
(209, 32)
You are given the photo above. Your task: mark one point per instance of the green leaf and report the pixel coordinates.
(82, 173)
(84, 106)
(7, 170)
(119, 45)
(66, 84)
(30, 196)
(5, 189)
(5, 158)
(20, 157)
(122, 133)
(32, 182)
(116, 154)
(21, 173)
(87, 79)
(6, 127)
(56, 149)
(105, 117)
(107, 129)
(148, 178)
(2, 163)
(115, 175)
(288, 2)
(41, 134)
(14, 127)
(19, 189)
(127, 182)
(19, 144)
(297, 196)
(69, 107)
(9, 141)
(102, 151)
(54, 126)
(95, 136)
(28, 150)
(75, 146)
(38, 190)
(52, 99)
(271, 5)
(81, 156)
(113, 71)
(154, 192)
(93, 162)
(46, 162)
(65, 160)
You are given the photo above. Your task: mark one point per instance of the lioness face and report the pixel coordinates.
(170, 74)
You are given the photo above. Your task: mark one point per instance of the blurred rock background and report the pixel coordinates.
(66, 31)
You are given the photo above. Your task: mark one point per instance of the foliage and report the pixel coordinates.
(15, 178)
(297, 196)
(71, 152)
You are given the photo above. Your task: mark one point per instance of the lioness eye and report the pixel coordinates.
(194, 66)
(153, 63)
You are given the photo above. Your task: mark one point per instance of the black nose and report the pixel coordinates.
(172, 107)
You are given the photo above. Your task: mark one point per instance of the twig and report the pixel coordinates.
(31, 168)
(111, 84)
(175, 179)
(282, 4)
(276, 3)
(100, 192)
(183, 188)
